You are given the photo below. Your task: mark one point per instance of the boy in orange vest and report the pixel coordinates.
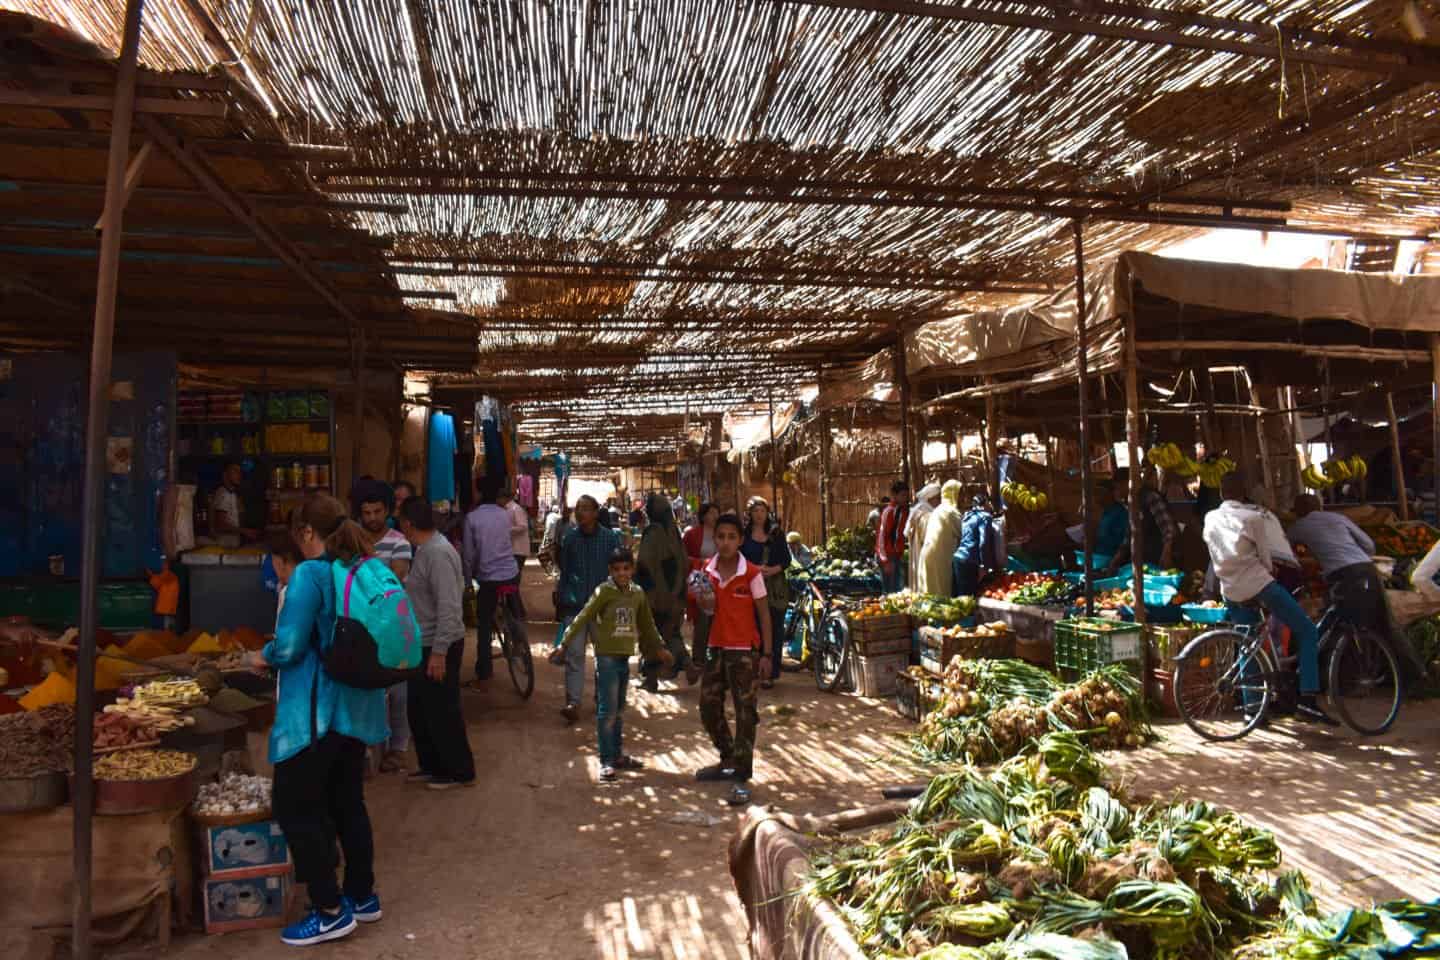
(733, 592)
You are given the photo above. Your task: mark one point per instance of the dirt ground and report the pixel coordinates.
(541, 860)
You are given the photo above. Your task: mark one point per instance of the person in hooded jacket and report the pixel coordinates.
(925, 503)
(662, 573)
(942, 535)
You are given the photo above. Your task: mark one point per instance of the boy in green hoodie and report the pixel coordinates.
(621, 617)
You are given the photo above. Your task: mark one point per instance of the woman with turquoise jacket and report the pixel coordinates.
(320, 735)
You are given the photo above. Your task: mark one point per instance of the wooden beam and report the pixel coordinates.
(61, 138)
(1373, 354)
(1132, 439)
(133, 173)
(104, 102)
(79, 73)
(762, 194)
(452, 178)
(168, 193)
(1069, 21)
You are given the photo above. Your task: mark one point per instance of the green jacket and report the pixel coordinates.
(620, 617)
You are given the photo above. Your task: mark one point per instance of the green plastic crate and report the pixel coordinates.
(1083, 644)
(56, 605)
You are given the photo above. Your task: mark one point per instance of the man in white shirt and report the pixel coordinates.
(1238, 538)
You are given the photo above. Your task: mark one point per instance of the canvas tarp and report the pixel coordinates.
(1042, 333)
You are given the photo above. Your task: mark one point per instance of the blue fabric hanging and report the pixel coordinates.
(440, 471)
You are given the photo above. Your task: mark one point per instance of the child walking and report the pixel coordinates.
(620, 616)
(738, 656)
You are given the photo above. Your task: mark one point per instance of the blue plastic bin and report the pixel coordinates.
(1198, 614)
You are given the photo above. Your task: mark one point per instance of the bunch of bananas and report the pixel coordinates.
(1172, 459)
(1331, 472)
(1024, 497)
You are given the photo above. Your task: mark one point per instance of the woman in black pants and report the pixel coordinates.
(764, 546)
(320, 734)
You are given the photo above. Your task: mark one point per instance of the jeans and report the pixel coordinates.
(487, 599)
(966, 577)
(777, 640)
(437, 722)
(1288, 611)
(612, 676)
(318, 796)
(894, 580)
(575, 660)
(395, 707)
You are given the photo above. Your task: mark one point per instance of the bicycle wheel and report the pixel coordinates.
(832, 646)
(515, 647)
(1365, 684)
(1222, 684)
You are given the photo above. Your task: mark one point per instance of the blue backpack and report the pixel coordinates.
(377, 638)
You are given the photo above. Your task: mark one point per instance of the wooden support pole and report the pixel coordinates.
(92, 509)
(1082, 371)
(1435, 417)
(826, 508)
(774, 460)
(1325, 395)
(1271, 481)
(1132, 437)
(1396, 464)
(991, 457)
(902, 380)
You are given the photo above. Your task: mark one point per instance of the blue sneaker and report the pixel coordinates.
(365, 911)
(318, 927)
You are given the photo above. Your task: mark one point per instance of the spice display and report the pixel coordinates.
(114, 730)
(174, 694)
(37, 741)
(235, 794)
(55, 689)
(990, 710)
(143, 765)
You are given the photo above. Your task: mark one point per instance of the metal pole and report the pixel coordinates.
(1082, 370)
(1325, 400)
(93, 507)
(1435, 418)
(357, 371)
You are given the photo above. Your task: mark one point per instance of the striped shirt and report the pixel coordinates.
(393, 546)
(584, 564)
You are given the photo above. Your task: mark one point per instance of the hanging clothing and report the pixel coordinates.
(942, 535)
(440, 461)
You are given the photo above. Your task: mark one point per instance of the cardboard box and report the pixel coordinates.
(248, 899)
(249, 846)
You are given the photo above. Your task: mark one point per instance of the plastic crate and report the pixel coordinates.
(1083, 644)
(1198, 614)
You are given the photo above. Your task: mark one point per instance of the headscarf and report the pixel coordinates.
(919, 514)
(663, 564)
(950, 493)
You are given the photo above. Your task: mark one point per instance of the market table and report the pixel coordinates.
(1029, 623)
(142, 869)
(768, 858)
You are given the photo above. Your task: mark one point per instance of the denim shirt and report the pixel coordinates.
(309, 612)
(977, 540)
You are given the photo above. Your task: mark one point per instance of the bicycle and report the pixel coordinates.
(1225, 680)
(508, 629)
(824, 628)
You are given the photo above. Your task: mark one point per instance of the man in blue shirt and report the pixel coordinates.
(584, 563)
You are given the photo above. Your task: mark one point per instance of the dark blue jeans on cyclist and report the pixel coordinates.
(1288, 611)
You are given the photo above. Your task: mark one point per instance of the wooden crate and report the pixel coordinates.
(873, 646)
(1039, 652)
(937, 649)
(916, 696)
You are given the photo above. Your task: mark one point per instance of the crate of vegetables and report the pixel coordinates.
(874, 629)
(916, 693)
(1083, 644)
(940, 645)
(1404, 538)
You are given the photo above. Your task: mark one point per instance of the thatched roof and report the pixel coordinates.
(694, 201)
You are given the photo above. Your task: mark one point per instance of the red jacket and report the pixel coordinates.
(890, 538)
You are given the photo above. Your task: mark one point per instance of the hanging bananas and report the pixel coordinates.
(1024, 497)
(1172, 459)
(1334, 472)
